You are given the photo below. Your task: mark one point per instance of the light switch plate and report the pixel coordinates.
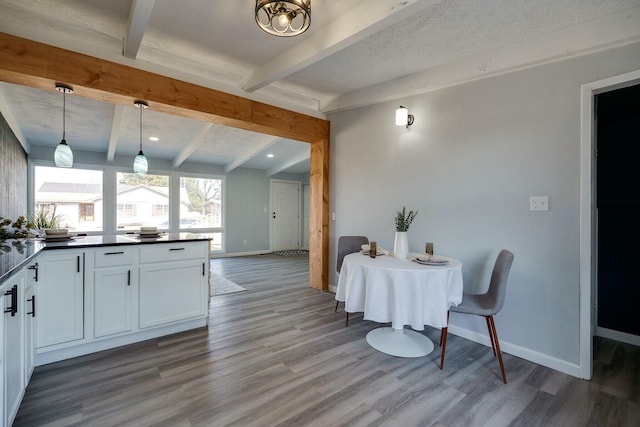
(539, 203)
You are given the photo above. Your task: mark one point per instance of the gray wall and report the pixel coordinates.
(475, 154)
(13, 173)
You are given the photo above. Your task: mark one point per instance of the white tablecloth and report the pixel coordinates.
(399, 291)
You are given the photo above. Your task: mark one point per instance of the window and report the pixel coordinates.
(138, 199)
(126, 210)
(68, 198)
(200, 203)
(161, 210)
(86, 212)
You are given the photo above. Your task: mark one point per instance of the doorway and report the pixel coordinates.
(618, 213)
(285, 215)
(588, 213)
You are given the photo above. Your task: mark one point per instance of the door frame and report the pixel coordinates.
(299, 227)
(588, 213)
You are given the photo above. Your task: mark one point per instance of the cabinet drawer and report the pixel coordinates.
(163, 252)
(113, 256)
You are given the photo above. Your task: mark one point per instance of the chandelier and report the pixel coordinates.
(284, 18)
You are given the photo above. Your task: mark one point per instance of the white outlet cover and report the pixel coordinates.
(539, 203)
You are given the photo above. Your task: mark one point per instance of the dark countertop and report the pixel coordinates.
(15, 254)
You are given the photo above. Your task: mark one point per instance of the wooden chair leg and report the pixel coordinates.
(492, 331)
(346, 323)
(443, 341)
(493, 344)
(336, 310)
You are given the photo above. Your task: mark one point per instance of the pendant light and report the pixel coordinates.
(63, 156)
(140, 164)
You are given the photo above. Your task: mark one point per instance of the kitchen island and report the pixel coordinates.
(91, 293)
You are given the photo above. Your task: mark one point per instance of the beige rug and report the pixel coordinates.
(221, 286)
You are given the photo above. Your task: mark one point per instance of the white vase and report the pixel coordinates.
(401, 245)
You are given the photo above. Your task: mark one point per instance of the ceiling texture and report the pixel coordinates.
(356, 53)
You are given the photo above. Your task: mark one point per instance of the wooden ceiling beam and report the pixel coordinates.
(38, 65)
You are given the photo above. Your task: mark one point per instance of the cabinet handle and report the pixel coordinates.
(14, 300)
(35, 269)
(176, 249)
(33, 306)
(128, 277)
(203, 268)
(114, 253)
(78, 263)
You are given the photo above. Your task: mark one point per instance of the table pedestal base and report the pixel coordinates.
(400, 342)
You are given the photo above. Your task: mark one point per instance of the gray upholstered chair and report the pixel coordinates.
(348, 245)
(486, 305)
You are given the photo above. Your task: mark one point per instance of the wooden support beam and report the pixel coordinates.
(41, 66)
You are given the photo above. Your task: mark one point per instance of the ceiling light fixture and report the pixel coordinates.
(140, 164)
(403, 118)
(63, 156)
(270, 155)
(154, 138)
(284, 18)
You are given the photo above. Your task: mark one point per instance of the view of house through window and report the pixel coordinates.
(142, 201)
(70, 198)
(73, 198)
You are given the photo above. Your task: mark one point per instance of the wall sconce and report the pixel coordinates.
(403, 118)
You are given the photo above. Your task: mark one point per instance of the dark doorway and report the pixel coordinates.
(618, 204)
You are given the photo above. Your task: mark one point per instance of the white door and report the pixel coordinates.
(305, 216)
(285, 215)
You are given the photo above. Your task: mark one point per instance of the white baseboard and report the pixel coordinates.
(518, 351)
(618, 336)
(333, 288)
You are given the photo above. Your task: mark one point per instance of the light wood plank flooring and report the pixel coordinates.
(277, 354)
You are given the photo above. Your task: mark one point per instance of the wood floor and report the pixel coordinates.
(277, 354)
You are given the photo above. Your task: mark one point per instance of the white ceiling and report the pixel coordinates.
(356, 52)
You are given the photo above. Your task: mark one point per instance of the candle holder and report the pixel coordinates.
(373, 249)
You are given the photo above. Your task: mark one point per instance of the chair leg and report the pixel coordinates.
(443, 341)
(346, 323)
(493, 344)
(494, 333)
(336, 310)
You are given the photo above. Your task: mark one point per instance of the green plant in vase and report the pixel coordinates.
(404, 219)
(401, 242)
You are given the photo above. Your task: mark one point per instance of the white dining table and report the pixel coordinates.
(400, 292)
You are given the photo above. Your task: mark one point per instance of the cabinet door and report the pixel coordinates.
(171, 292)
(113, 302)
(59, 298)
(13, 357)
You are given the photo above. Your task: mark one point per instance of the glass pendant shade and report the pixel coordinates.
(140, 164)
(63, 156)
(285, 18)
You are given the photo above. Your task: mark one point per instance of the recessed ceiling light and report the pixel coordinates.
(154, 138)
(269, 155)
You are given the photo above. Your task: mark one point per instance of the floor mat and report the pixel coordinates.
(221, 286)
(292, 252)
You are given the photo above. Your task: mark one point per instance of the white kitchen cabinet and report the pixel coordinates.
(172, 291)
(60, 297)
(13, 346)
(114, 286)
(113, 301)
